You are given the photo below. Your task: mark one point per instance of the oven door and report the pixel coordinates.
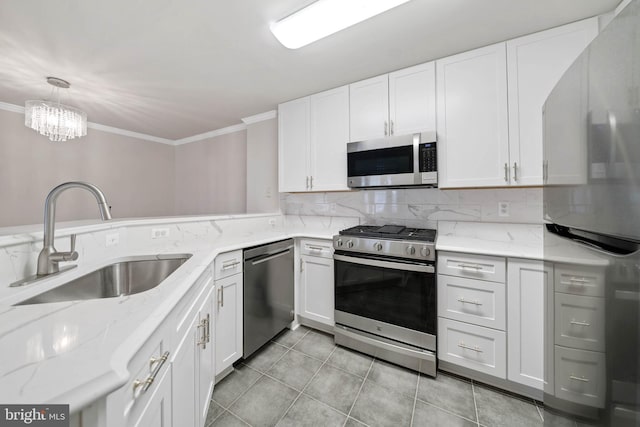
(392, 298)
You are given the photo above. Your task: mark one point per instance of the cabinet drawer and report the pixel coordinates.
(580, 376)
(472, 266)
(474, 301)
(579, 322)
(147, 365)
(582, 280)
(473, 347)
(320, 248)
(227, 264)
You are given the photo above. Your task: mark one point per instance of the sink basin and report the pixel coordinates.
(129, 276)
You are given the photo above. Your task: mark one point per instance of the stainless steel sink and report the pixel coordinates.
(129, 276)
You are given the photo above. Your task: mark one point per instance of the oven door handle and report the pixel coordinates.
(386, 264)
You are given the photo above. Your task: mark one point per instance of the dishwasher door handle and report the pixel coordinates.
(270, 257)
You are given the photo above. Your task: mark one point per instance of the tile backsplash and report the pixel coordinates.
(419, 207)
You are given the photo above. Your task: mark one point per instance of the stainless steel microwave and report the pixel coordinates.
(398, 161)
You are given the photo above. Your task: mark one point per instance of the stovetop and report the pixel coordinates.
(391, 232)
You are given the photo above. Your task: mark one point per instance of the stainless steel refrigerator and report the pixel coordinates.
(592, 237)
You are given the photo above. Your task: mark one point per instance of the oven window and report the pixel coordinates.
(402, 298)
(385, 161)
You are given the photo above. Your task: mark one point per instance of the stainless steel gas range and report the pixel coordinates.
(385, 294)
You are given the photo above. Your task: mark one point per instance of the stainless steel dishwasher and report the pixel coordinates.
(268, 293)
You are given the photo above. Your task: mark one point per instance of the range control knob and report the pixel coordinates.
(377, 246)
(349, 243)
(411, 250)
(339, 243)
(425, 252)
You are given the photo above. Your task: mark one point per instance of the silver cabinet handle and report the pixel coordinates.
(203, 335)
(146, 383)
(506, 172)
(470, 266)
(515, 171)
(576, 378)
(575, 322)
(385, 128)
(230, 265)
(208, 331)
(316, 248)
(391, 128)
(545, 170)
(311, 183)
(307, 182)
(221, 296)
(466, 347)
(464, 301)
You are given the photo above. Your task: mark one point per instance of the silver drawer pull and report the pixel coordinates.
(146, 383)
(204, 335)
(471, 266)
(464, 301)
(575, 322)
(316, 248)
(466, 347)
(581, 379)
(578, 280)
(230, 265)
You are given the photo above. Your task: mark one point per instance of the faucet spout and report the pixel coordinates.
(49, 258)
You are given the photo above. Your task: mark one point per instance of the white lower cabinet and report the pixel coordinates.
(158, 411)
(316, 281)
(471, 346)
(229, 326)
(193, 367)
(528, 283)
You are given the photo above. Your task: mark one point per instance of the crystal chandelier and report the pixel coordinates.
(54, 120)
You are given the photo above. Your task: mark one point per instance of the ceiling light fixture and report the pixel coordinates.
(54, 120)
(325, 17)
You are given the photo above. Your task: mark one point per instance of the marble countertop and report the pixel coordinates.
(528, 241)
(77, 352)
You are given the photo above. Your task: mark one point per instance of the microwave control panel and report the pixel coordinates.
(428, 157)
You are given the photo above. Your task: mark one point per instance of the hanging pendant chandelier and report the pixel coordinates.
(54, 120)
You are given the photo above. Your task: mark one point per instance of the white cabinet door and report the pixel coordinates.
(228, 322)
(473, 144)
(317, 289)
(528, 284)
(329, 137)
(157, 413)
(412, 99)
(293, 145)
(206, 357)
(535, 63)
(369, 108)
(184, 371)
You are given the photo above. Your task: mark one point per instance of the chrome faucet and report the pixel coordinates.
(49, 258)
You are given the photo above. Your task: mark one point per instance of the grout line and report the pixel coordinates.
(475, 403)
(415, 399)
(358, 394)
(304, 388)
(243, 393)
(440, 408)
(237, 417)
(539, 411)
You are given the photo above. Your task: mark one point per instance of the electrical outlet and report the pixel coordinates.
(112, 239)
(503, 209)
(272, 222)
(158, 233)
(268, 192)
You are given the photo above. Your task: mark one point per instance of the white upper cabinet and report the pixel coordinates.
(369, 108)
(412, 99)
(473, 140)
(329, 136)
(535, 63)
(312, 142)
(398, 103)
(293, 145)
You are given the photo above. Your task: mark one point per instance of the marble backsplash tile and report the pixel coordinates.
(420, 207)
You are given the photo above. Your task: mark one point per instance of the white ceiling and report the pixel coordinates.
(174, 69)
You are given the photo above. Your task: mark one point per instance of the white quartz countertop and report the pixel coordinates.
(77, 352)
(528, 241)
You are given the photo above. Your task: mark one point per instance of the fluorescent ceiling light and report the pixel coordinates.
(325, 17)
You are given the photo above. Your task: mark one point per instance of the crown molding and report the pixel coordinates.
(137, 135)
(211, 134)
(260, 117)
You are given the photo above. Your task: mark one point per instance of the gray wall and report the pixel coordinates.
(140, 178)
(137, 176)
(262, 167)
(211, 175)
